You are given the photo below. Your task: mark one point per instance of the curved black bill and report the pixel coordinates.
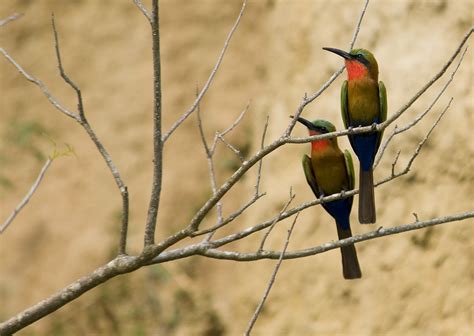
(339, 52)
(307, 123)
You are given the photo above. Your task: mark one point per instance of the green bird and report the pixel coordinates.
(330, 171)
(363, 103)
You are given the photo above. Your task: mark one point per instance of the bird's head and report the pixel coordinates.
(318, 127)
(360, 63)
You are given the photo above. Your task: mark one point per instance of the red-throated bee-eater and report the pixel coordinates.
(363, 103)
(330, 171)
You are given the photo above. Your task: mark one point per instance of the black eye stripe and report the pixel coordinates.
(361, 58)
(321, 129)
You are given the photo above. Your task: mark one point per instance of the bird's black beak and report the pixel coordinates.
(340, 52)
(307, 123)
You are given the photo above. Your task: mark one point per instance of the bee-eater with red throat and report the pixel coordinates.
(363, 103)
(330, 171)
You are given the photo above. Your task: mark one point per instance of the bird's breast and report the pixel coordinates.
(363, 102)
(330, 171)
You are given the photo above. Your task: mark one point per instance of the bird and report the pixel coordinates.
(330, 171)
(363, 103)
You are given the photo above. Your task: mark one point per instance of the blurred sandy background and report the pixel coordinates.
(419, 283)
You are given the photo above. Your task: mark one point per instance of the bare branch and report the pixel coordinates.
(143, 9)
(272, 280)
(42, 87)
(13, 17)
(277, 218)
(260, 163)
(119, 265)
(231, 147)
(150, 226)
(208, 248)
(381, 232)
(394, 163)
(209, 80)
(209, 156)
(417, 150)
(82, 120)
(417, 95)
(359, 22)
(80, 106)
(220, 135)
(231, 217)
(398, 130)
(236, 121)
(423, 141)
(28, 196)
(210, 164)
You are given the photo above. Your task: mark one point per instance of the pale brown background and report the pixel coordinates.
(419, 283)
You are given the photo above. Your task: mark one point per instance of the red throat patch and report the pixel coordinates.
(355, 70)
(320, 144)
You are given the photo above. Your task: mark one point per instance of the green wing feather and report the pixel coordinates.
(383, 109)
(345, 108)
(344, 103)
(350, 172)
(309, 173)
(350, 169)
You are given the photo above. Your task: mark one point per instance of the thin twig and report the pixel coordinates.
(231, 217)
(150, 226)
(420, 92)
(220, 135)
(209, 80)
(209, 156)
(13, 17)
(210, 164)
(80, 106)
(417, 150)
(260, 163)
(359, 22)
(143, 9)
(271, 282)
(398, 130)
(28, 196)
(41, 86)
(80, 117)
(236, 121)
(236, 151)
(394, 163)
(277, 218)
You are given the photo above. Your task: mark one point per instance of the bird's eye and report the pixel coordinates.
(360, 56)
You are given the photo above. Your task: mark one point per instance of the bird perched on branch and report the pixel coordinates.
(363, 103)
(330, 171)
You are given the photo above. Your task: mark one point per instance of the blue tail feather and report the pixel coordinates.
(365, 147)
(340, 210)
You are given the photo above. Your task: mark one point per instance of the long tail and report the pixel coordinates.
(366, 197)
(350, 263)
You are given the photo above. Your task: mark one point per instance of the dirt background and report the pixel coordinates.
(418, 283)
